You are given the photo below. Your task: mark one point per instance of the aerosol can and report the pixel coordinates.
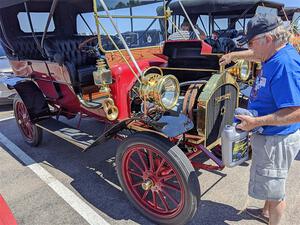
(235, 145)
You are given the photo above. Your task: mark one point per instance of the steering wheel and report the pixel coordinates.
(90, 50)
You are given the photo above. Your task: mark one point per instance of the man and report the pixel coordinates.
(183, 33)
(187, 33)
(276, 97)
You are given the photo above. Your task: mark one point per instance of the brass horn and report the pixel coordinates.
(110, 109)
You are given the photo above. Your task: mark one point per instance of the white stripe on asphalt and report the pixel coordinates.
(7, 118)
(66, 194)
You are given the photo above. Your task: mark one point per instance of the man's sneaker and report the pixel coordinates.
(258, 214)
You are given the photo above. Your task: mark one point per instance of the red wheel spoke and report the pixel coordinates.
(170, 197)
(167, 177)
(151, 162)
(154, 199)
(145, 194)
(30, 127)
(136, 164)
(166, 171)
(26, 130)
(160, 165)
(30, 131)
(171, 186)
(142, 160)
(23, 110)
(135, 173)
(163, 200)
(137, 184)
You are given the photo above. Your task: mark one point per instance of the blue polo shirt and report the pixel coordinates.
(277, 87)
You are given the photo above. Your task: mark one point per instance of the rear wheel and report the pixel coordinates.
(158, 179)
(30, 132)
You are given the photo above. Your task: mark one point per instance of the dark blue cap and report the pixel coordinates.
(259, 24)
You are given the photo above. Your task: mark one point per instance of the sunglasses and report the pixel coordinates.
(250, 43)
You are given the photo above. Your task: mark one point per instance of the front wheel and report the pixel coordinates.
(158, 179)
(30, 132)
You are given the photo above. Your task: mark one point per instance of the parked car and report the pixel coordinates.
(291, 15)
(6, 95)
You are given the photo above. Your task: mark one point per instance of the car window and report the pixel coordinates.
(138, 32)
(221, 24)
(239, 25)
(266, 10)
(39, 20)
(296, 21)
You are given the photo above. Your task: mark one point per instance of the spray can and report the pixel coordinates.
(235, 146)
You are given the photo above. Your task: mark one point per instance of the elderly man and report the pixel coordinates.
(276, 97)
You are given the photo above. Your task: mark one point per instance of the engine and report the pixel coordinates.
(208, 103)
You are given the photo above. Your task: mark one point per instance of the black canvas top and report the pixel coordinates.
(219, 7)
(289, 11)
(112, 4)
(7, 3)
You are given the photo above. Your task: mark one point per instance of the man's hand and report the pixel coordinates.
(225, 59)
(247, 122)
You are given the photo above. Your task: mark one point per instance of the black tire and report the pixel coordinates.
(35, 135)
(181, 166)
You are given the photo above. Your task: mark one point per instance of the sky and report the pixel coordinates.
(295, 3)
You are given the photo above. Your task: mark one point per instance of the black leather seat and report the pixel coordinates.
(25, 48)
(79, 63)
(187, 54)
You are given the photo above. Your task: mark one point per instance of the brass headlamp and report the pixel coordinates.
(163, 90)
(241, 70)
(103, 78)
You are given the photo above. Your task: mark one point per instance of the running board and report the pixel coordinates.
(68, 133)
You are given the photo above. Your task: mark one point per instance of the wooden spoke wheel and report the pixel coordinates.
(30, 132)
(158, 179)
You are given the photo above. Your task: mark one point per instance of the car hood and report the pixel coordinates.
(4, 65)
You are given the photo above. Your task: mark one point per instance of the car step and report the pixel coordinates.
(68, 133)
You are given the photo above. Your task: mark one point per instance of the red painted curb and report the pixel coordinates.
(6, 216)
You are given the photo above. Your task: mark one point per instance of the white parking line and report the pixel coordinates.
(7, 118)
(66, 194)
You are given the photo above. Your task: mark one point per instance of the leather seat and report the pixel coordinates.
(80, 64)
(25, 48)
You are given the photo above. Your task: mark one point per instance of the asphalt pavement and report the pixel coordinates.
(56, 183)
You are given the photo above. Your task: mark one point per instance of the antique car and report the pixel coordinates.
(167, 101)
(223, 22)
(292, 16)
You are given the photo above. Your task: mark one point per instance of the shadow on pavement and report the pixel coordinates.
(4, 108)
(213, 213)
(298, 156)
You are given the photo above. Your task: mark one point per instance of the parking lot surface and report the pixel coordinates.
(56, 183)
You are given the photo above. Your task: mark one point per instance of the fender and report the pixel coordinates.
(170, 124)
(33, 98)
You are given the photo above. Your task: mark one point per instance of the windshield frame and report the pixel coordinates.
(101, 30)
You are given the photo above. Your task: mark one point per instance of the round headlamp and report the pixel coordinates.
(163, 90)
(244, 71)
(241, 70)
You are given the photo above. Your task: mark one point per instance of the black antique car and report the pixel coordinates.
(223, 22)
